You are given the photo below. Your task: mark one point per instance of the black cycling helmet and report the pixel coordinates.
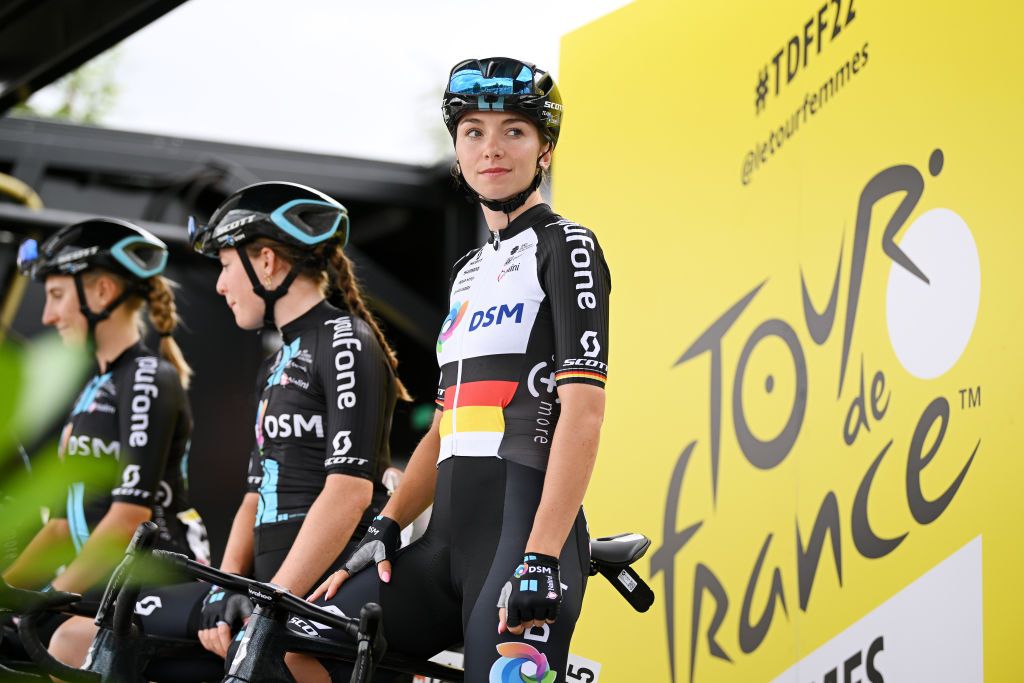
(115, 245)
(289, 213)
(503, 84)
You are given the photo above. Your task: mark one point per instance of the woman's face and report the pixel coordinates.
(61, 309)
(498, 152)
(234, 285)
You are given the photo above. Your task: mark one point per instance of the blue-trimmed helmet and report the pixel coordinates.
(503, 84)
(284, 212)
(109, 243)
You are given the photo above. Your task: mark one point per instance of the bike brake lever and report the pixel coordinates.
(371, 644)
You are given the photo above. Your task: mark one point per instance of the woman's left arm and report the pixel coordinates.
(326, 529)
(104, 549)
(573, 453)
(579, 298)
(577, 284)
(356, 381)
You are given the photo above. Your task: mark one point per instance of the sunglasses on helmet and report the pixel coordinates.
(499, 77)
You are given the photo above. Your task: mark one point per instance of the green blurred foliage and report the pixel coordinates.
(148, 571)
(40, 380)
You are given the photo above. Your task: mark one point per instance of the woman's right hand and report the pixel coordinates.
(382, 540)
(222, 616)
(330, 586)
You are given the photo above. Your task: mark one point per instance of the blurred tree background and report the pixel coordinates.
(85, 95)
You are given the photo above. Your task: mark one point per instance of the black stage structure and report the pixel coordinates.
(409, 226)
(41, 40)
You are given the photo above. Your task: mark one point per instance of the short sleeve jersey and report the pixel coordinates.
(127, 440)
(528, 313)
(325, 403)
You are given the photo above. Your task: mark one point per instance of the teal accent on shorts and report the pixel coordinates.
(266, 510)
(76, 515)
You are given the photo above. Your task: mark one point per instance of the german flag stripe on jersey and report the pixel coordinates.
(485, 393)
(481, 406)
(589, 376)
(473, 419)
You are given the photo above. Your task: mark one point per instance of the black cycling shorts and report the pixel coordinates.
(444, 587)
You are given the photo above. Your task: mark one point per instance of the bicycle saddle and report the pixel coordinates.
(621, 550)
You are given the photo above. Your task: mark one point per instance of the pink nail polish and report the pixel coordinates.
(386, 577)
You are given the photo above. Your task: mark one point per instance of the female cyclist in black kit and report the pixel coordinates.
(131, 422)
(523, 355)
(323, 415)
(325, 399)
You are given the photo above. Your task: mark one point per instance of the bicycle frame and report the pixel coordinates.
(121, 652)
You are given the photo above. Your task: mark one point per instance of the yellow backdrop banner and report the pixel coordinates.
(811, 214)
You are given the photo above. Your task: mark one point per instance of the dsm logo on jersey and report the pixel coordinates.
(496, 315)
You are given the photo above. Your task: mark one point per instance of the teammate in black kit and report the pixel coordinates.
(324, 407)
(523, 354)
(129, 429)
(324, 400)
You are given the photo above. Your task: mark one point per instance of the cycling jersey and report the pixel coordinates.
(528, 312)
(136, 414)
(326, 400)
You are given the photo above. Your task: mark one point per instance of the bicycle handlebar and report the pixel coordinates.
(263, 593)
(20, 601)
(29, 636)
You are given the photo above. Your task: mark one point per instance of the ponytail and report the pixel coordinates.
(342, 274)
(163, 314)
(331, 268)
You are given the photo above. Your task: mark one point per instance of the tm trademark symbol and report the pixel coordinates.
(970, 398)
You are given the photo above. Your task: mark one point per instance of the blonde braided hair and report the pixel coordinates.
(163, 315)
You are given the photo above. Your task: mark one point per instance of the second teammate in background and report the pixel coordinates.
(325, 399)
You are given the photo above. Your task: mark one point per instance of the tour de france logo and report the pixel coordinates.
(521, 663)
(932, 298)
(931, 310)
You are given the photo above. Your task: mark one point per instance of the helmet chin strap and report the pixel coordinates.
(508, 204)
(269, 296)
(93, 318)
